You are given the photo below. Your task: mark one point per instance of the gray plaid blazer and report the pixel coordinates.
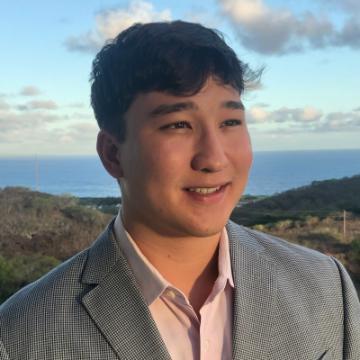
(290, 303)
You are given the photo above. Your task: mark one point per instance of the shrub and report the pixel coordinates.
(355, 250)
(21, 270)
(81, 214)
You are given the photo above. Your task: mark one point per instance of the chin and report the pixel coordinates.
(206, 229)
(206, 233)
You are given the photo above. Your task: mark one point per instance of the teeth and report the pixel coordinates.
(204, 190)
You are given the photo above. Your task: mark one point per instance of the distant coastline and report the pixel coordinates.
(84, 176)
(26, 156)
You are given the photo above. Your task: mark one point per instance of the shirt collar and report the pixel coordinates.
(224, 262)
(151, 283)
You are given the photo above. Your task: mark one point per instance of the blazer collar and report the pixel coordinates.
(254, 295)
(118, 309)
(116, 305)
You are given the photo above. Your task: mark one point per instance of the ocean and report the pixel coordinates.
(84, 176)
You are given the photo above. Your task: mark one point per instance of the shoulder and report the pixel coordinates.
(37, 320)
(296, 267)
(40, 308)
(276, 249)
(311, 292)
(60, 283)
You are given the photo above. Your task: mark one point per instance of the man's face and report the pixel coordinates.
(185, 161)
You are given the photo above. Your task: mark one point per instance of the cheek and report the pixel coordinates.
(241, 151)
(165, 168)
(248, 156)
(164, 160)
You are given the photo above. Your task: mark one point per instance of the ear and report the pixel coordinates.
(108, 148)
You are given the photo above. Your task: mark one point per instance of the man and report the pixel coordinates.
(171, 277)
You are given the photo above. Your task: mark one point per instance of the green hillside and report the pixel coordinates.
(38, 230)
(35, 222)
(321, 198)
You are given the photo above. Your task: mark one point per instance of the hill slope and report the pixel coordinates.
(34, 222)
(320, 199)
(38, 231)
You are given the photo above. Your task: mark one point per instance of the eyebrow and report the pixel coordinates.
(165, 109)
(233, 105)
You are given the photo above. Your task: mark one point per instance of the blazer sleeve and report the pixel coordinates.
(3, 353)
(351, 305)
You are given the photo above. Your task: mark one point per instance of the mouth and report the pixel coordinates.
(208, 190)
(204, 190)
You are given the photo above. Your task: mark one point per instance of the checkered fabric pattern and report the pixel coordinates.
(290, 303)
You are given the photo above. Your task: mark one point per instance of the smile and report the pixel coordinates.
(204, 190)
(207, 190)
(207, 195)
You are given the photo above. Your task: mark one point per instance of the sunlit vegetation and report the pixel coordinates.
(321, 198)
(38, 231)
(18, 271)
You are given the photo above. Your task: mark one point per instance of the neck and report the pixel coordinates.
(188, 263)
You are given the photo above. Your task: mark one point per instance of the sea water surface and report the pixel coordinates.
(84, 176)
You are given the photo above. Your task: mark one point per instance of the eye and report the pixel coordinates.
(231, 122)
(177, 125)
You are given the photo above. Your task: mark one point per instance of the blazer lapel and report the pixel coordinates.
(116, 305)
(254, 296)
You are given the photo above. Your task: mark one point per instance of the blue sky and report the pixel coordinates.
(308, 98)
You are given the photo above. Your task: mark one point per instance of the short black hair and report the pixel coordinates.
(174, 57)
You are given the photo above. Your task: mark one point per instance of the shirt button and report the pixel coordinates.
(206, 344)
(170, 294)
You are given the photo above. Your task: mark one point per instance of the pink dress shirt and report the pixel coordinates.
(185, 335)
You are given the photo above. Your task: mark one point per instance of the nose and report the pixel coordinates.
(210, 154)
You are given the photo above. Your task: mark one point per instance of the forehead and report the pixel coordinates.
(211, 97)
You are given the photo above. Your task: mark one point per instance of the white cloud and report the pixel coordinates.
(341, 121)
(349, 6)
(270, 30)
(349, 34)
(38, 104)
(246, 10)
(30, 90)
(33, 121)
(316, 30)
(109, 23)
(44, 125)
(306, 119)
(284, 114)
(4, 105)
(257, 114)
(83, 131)
(76, 105)
(310, 113)
(24, 127)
